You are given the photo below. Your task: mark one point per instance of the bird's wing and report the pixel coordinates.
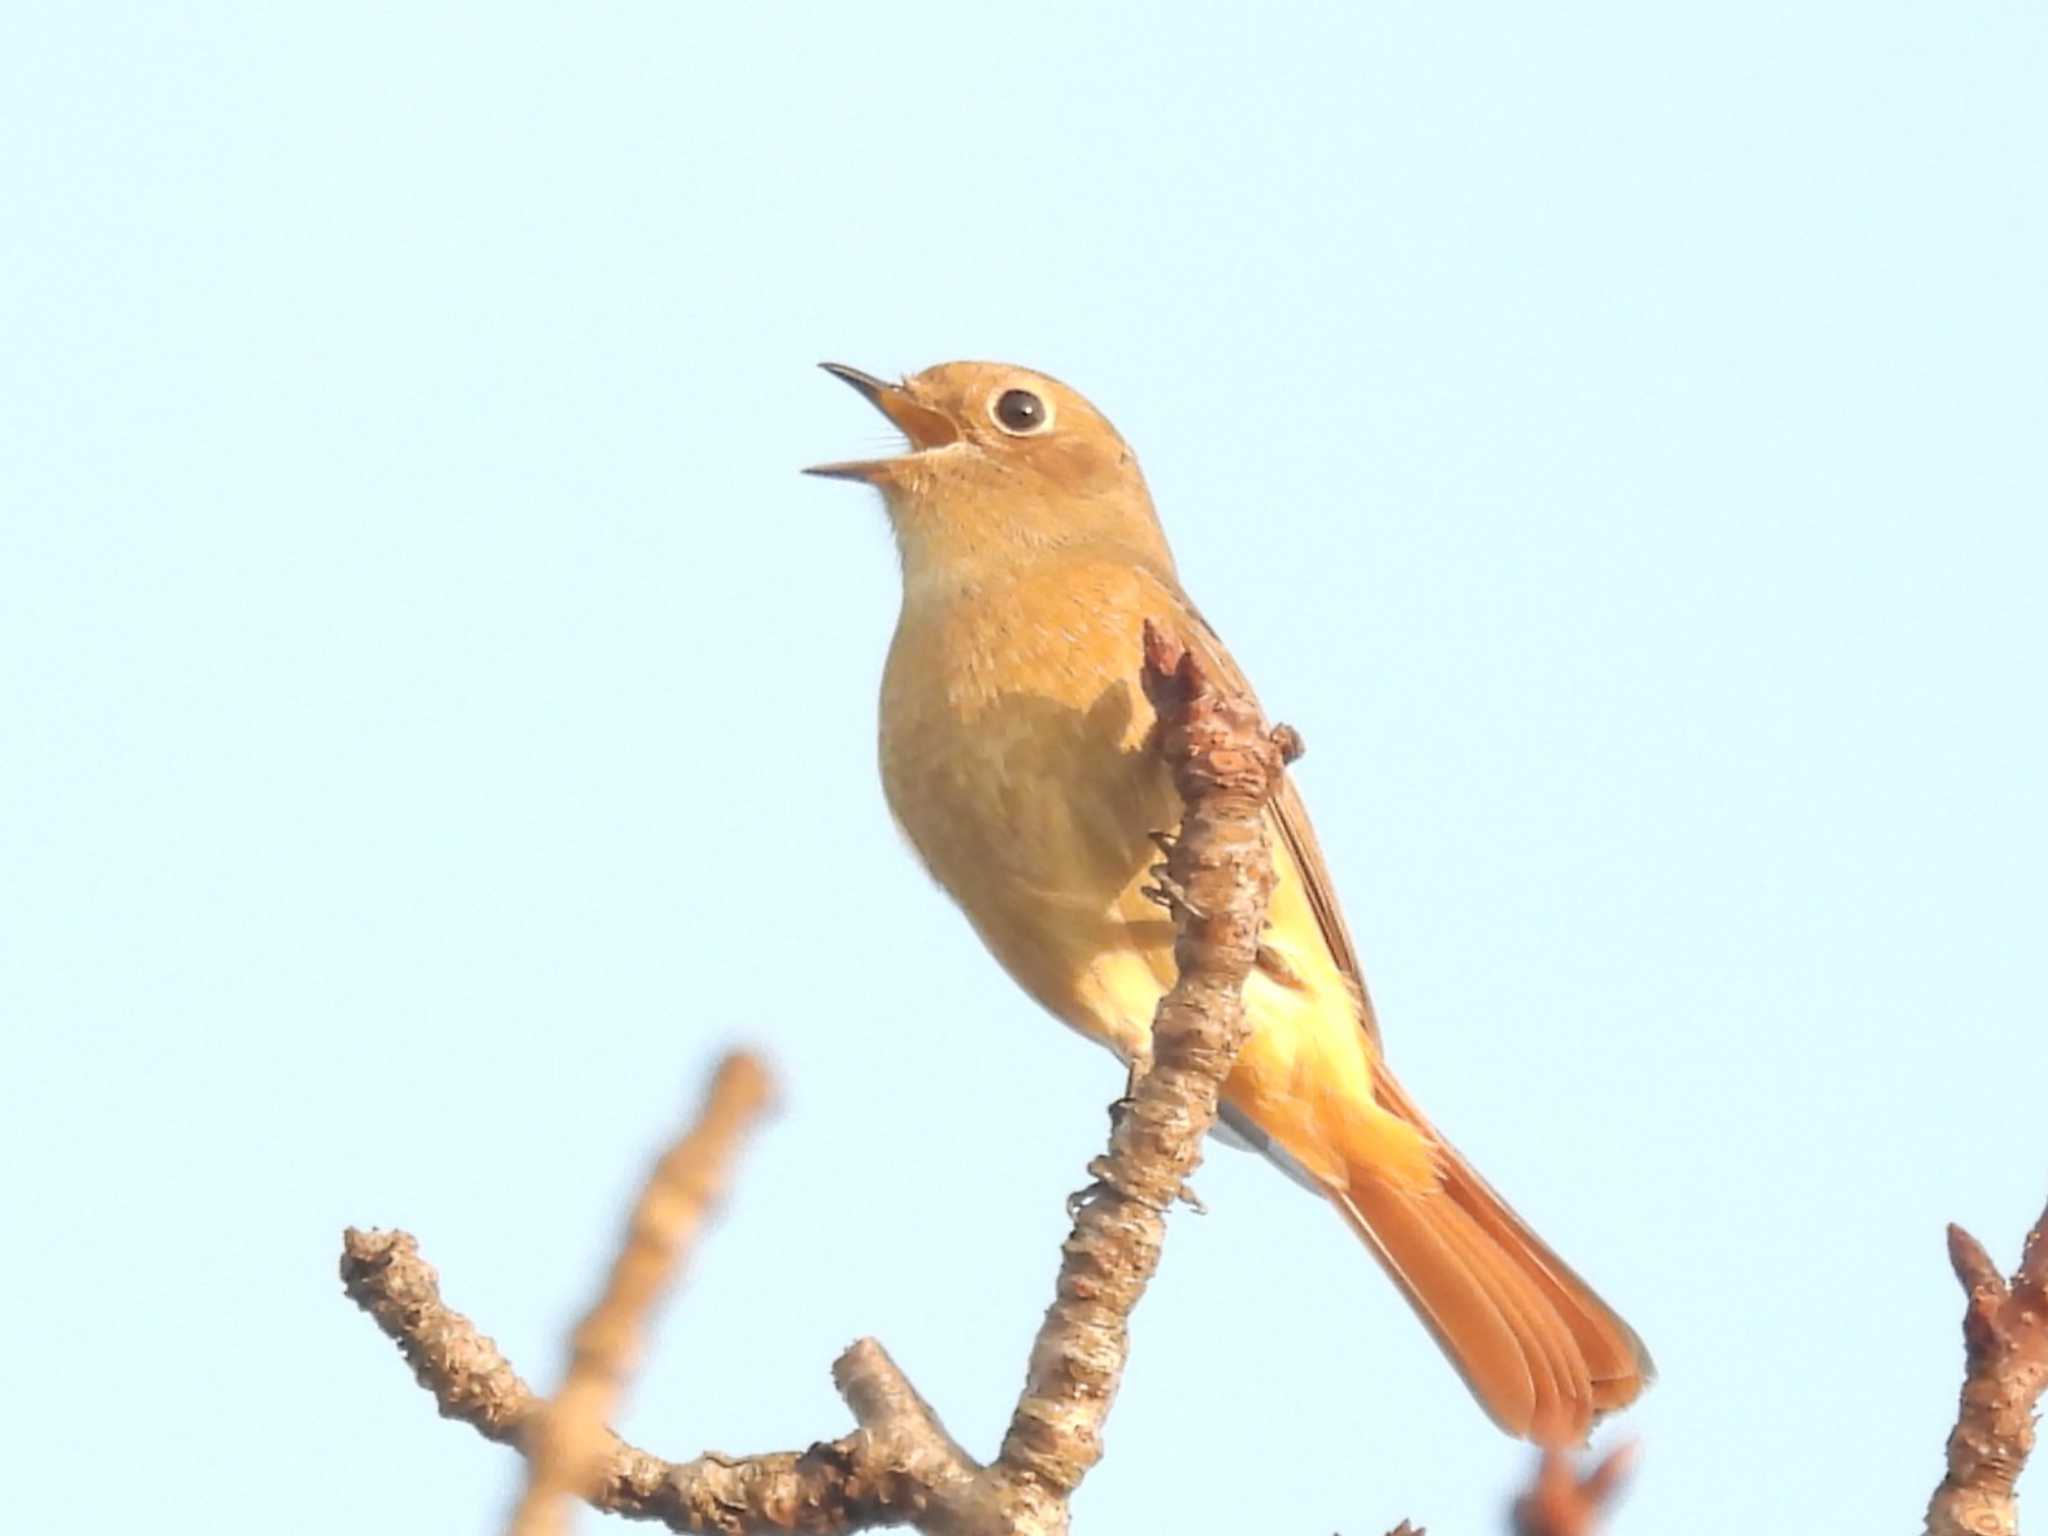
(1290, 820)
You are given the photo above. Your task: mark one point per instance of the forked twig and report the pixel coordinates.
(900, 1466)
(2005, 1352)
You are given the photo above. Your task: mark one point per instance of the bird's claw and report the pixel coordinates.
(1103, 1182)
(1171, 894)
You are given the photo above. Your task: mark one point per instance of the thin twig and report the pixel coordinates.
(901, 1467)
(2005, 1351)
(853, 1483)
(567, 1452)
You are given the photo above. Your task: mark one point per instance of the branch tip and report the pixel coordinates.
(1226, 765)
(1972, 1264)
(2005, 1371)
(571, 1445)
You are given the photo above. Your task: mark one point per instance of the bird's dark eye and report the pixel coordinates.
(1019, 411)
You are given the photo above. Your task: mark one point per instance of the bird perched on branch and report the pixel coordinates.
(1015, 753)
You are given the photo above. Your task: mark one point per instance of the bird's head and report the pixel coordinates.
(1001, 463)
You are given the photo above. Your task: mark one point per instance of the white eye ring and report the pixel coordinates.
(1020, 412)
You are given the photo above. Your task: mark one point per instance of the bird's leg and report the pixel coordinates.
(1171, 894)
(1166, 890)
(1134, 1074)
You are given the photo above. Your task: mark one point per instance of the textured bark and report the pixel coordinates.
(2005, 1350)
(900, 1467)
(877, 1475)
(1216, 880)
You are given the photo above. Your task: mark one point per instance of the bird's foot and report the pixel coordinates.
(1103, 1183)
(1120, 1107)
(1134, 1074)
(1172, 895)
(1084, 1197)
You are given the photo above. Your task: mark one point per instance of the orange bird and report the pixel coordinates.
(1015, 755)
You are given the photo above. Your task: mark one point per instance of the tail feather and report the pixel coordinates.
(1557, 1371)
(1543, 1354)
(1617, 1360)
(1463, 1318)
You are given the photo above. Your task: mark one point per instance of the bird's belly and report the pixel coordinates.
(1036, 818)
(1042, 837)
(1305, 1077)
(1035, 809)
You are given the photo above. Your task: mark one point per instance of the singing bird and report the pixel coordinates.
(1015, 755)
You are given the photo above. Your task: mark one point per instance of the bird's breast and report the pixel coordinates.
(1015, 755)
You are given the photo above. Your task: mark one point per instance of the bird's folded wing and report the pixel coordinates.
(1290, 818)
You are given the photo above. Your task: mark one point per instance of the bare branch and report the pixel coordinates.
(900, 1466)
(1226, 766)
(848, 1484)
(2005, 1352)
(568, 1448)
(383, 1273)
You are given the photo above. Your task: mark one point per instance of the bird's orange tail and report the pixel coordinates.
(1545, 1356)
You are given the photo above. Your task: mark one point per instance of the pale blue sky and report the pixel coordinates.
(438, 717)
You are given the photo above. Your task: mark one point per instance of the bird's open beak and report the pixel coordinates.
(925, 427)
